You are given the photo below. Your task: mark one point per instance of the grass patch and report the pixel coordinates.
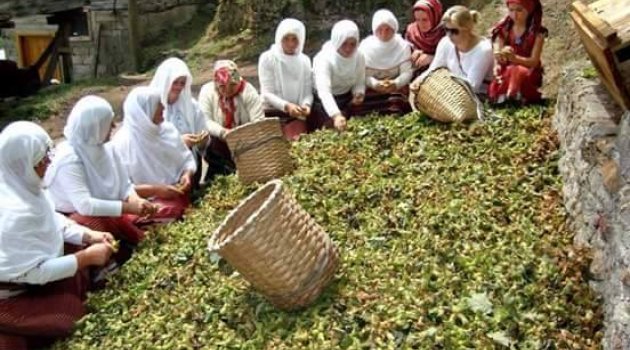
(51, 100)
(589, 72)
(451, 237)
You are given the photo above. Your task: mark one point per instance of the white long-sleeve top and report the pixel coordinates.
(475, 66)
(328, 83)
(271, 87)
(54, 269)
(70, 193)
(401, 75)
(248, 107)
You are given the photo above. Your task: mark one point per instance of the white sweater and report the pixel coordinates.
(248, 107)
(328, 84)
(401, 75)
(70, 193)
(53, 269)
(476, 64)
(271, 88)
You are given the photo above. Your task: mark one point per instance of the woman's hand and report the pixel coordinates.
(293, 110)
(93, 237)
(189, 140)
(415, 55)
(167, 192)
(306, 111)
(508, 53)
(340, 122)
(422, 60)
(185, 182)
(357, 99)
(97, 254)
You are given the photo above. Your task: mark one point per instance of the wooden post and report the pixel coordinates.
(134, 35)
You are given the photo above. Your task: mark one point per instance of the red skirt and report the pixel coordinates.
(123, 227)
(41, 314)
(292, 128)
(531, 80)
(170, 210)
(380, 103)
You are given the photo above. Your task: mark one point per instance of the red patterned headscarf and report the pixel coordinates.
(427, 41)
(534, 21)
(226, 72)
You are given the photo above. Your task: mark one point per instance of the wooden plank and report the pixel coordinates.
(595, 24)
(616, 13)
(603, 60)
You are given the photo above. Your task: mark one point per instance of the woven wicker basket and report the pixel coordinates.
(444, 98)
(276, 246)
(260, 151)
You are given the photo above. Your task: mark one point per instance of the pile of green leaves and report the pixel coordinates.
(451, 237)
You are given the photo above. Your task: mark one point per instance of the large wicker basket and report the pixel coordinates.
(260, 151)
(445, 98)
(276, 246)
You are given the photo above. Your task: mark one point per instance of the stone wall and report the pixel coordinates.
(595, 139)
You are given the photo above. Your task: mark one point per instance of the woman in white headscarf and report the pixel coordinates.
(173, 80)
(227, 102)
(158, 162)
(339, 75)
(88, 181)
(41, 289)
(388, 65)
(285, 79)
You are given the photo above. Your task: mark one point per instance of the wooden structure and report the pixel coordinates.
(604, 27)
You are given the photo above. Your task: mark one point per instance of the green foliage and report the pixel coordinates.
(451, 237)
(589, 72)
(51, 100)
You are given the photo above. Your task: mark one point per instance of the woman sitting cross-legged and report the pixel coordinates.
(227, 102)
(388, 66)
(173, 80)
(464, 53)
(286, 79)
(41, 289)
(339, 75)
(87, 181)
(158, 162)
(519, 40)
(425, 33)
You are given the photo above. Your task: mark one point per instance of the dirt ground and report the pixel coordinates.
(561, 46)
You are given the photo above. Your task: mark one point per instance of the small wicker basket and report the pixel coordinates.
(260, 151)
(445, 98)
(276, 246)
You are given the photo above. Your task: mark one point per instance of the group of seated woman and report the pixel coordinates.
(61, 215)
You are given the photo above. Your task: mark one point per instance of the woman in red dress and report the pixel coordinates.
(518, 42)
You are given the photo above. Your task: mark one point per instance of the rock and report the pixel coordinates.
(595, 143)
(611, 175)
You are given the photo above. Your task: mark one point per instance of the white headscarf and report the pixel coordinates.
(289, 69)
(344, 67)
(29, 231)
(87, 128)
(385, 55)
(169, 71)
(154, 154)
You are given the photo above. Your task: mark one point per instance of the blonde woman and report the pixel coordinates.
(463, 51)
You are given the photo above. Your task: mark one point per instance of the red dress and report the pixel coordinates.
(531, 77)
